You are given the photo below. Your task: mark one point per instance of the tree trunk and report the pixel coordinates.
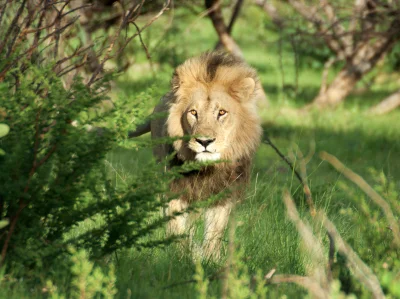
(339, 89)
(362, 62)
(387, 105)
(228, 43)
(215, 14)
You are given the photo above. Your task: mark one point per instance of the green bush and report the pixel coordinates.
(55, 188)
(54, 177)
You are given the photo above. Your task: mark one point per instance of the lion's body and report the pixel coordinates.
(213, 96)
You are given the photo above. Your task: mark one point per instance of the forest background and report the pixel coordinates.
(80, 202)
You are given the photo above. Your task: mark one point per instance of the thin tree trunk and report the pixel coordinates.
(390, 103)
(339, 89)
(364, 60)
(228, 43)
(215, 14)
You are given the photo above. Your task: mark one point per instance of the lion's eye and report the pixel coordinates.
(193, 112)
(221, 112)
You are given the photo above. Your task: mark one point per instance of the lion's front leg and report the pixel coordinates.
(183, 224)
(216, 219)
(177, 225)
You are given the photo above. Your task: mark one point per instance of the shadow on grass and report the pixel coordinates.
(303, 95)
(359, 149)
(265, 234)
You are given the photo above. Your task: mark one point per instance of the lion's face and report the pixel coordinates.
(221, 121)
(211, 118)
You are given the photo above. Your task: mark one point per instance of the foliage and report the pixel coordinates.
(88, 280)
(236, 280)
(4, 129)
(37, 264)
(54, 177)
(393, 59)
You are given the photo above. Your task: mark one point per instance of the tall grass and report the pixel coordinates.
(264, 234)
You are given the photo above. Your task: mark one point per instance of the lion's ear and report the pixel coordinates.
(244, 89)
(175, 82)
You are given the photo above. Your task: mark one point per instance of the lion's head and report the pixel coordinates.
(213, 100)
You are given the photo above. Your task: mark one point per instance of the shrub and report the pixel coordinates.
(53, 176)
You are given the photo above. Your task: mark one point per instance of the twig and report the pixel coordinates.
(312, 244)
(271, 10)
(152, 20)
(219, 25)
(230, 260)
(12, 25)
(2, 11)
(127, 19)
(11, 229)
(306, 282)
(270, 143)
(235, 14)
(57, 24)
(110, 47)
(148, 56)
(328, 64)
(363, 273)
(338, 31)
(34, 168)
(331, 256)
(76, 53)
(311, 14)
(28, 52)
(203, 14)
(306, 188)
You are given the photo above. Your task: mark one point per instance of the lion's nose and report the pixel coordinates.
(205, 141)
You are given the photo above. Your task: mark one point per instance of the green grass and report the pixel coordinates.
(264, 232)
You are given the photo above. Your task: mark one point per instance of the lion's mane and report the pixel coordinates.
(210, 69)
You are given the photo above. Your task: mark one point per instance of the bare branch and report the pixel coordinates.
(359, 7)
(306, 282)
(271, 10)
(128, 18)
(328, 64)
(389, 104)
(331, 257)
(146, 50)
(216, 17)
(282, 156)
(306, 188)
(2, 11)
(312, 244)
(364, 186)
(363, 273)
(311, 14)
(235, 14)
(339, 33)
(12, 25)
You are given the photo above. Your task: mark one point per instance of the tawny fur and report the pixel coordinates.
(207, 84)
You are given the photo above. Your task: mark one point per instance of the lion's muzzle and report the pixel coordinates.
(205, 149)
(205, 141)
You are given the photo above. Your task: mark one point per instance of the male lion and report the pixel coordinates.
(213, 99)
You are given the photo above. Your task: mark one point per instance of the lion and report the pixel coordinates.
(212, 100)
